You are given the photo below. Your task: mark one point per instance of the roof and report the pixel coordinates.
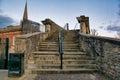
(10, 29)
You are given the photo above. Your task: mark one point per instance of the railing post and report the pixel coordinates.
(6, 52)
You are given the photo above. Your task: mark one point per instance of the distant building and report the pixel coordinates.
(25, 26)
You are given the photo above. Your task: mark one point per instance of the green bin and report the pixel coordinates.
(15, 64)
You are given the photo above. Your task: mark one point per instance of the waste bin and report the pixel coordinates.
(15, 64)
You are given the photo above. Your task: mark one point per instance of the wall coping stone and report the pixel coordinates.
(24, 36)
(107, 39)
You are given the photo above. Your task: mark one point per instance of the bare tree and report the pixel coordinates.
(94, 32)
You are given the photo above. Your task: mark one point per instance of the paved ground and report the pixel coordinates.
(3, 74)
(66, 77)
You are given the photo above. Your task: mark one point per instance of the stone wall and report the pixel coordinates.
(28, 43)
(106, 52)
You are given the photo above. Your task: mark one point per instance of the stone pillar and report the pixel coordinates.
(84, 24)
(47, 28)
(47, 24)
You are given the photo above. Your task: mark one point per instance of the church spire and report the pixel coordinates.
(25, 15)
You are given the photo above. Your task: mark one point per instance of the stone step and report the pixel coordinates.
(67, 45)
(58, 71)
(69, 38)
(57, 66)
(56, 47)
(48, 66)
(74, 56)
(41, 62)
(78, 66)
(64, 62)
(57, 53)
(49, 42)
(75, 46)
(44, 57)
(71, 50)
(78, 62)
(77, 58)
(43, 49)
(45, 53)
(48, 47)
(70, 47)
(74, 53)
(70, 43)
(56, 44)
(45, 65)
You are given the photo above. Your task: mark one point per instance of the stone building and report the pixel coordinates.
(25, 26)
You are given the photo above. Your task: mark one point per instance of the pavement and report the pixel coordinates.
(67, 77)
(94, 76)
(3, 74)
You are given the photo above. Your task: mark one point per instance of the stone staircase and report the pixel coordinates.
(48, 46)
(47, 59)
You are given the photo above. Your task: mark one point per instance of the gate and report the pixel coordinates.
(4, 42)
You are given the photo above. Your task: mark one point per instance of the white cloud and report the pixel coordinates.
(106, 33)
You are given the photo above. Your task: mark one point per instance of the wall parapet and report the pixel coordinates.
(28, 43)
(106, 52)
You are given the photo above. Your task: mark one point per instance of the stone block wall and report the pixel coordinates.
(28, 43)
(106, 52)
(111, 60)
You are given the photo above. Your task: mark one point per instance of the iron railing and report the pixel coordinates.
(60, 48)
(60, 41)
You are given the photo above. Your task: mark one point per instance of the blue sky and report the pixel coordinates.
(101, 12)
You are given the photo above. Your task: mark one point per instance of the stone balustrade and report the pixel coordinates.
(28, 43)
(106, 52)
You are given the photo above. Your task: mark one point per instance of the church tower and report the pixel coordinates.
(25, 15)
(28, 26)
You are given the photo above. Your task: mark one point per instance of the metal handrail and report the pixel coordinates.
(60, 42)
(60, 48)
(66, 26)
